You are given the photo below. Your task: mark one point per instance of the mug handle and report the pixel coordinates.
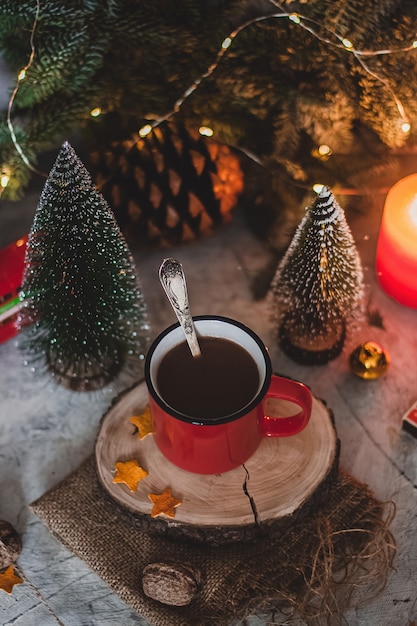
(285, 389)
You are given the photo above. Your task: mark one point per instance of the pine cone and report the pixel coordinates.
(170, 187)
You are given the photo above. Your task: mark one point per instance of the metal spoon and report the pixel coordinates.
(172, 279)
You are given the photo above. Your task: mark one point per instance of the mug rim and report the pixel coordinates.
(220, 420)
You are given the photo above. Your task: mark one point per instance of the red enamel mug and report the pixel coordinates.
(207, 445)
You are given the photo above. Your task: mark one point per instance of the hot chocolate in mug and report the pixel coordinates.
(208, 411)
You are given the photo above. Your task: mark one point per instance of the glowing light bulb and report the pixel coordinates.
(206, 131)
(318, 187)
(145, 130)
(226, 43)
(347, 43)
(294, 18)
(414, 44)
(96, 112)
(21, 75)
(324, 150)
(405, 127)
(4, 180)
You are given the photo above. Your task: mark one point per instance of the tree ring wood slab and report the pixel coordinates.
(283, 479)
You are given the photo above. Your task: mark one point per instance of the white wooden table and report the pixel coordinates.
(46, 431)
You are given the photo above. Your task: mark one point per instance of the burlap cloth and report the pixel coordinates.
(310, 571)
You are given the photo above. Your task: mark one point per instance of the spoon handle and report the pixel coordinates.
(172, 279)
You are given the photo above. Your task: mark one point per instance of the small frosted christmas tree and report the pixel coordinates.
(82, 312)
(318, 286)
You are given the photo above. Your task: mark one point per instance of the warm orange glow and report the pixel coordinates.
(396, 256)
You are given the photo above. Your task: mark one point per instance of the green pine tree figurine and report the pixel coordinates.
(83, 314)
(318, 286)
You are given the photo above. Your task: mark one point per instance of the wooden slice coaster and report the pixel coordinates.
(283, 479)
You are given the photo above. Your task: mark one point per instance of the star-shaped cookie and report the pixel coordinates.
(143, 423)
(129, 473)
(8, 579)
(163, 503)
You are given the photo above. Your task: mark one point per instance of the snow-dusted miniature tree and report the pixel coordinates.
(318, 285)
(83, 311)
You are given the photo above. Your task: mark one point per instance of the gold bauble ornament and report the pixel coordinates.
(369, 360)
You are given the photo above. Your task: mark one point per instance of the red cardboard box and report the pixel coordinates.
(409, 420)
(12, 262)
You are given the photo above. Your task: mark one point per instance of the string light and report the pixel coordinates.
(96, 112)
(347, 45)
(324, 150)
(21, 76)
(294, 17)
(4, 180)
(145, 130)
(205, 131)
(227, 42)
(304, 22)
(318, 187)
(299, 20)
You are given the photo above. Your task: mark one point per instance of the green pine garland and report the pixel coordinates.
(277, 93)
